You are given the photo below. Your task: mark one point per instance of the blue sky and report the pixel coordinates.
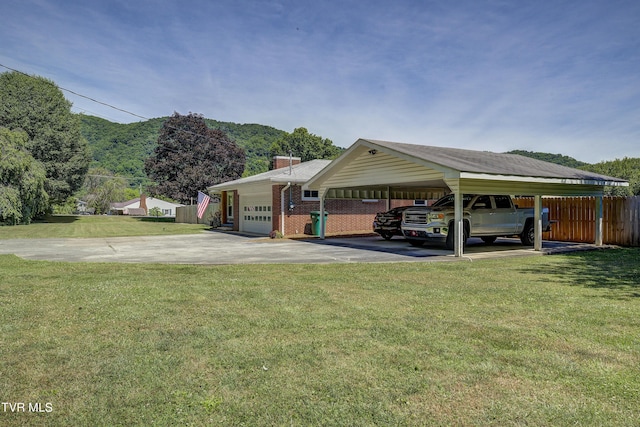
(553, 76)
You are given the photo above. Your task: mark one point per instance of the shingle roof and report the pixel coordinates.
(486, 162)
(121, 205)
(300, 173)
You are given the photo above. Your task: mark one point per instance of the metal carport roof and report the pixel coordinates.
(375, 164)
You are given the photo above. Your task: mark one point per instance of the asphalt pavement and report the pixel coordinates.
(216, 247)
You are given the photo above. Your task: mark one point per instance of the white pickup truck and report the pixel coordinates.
(487, 217)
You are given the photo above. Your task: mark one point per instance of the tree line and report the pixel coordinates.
(627, 168)
(44, 158)
(50, 156)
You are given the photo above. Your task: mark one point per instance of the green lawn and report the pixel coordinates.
(545, 340)
(98, 226)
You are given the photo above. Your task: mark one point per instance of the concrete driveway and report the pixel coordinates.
(214, 247)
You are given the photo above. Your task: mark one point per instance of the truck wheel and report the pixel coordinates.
(386, 235)
(449, 243)
(416, 243)
(528, 234)
(489, 239)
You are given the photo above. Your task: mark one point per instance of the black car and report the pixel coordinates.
(387, 224)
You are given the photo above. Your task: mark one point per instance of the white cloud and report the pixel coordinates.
(487, 75)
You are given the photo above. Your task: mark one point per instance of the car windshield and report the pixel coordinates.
(448, 201)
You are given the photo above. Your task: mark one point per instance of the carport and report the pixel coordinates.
(389, 169)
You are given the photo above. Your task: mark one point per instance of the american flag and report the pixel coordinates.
(203, 202)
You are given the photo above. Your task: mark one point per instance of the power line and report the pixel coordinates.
(108, 105)
(129, 178)
(118, 109)
(83, 96)
(84, 111)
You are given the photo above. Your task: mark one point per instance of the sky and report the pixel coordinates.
(553, 76)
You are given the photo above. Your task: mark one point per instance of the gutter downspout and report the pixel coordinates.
(285, 188)
(323, 230)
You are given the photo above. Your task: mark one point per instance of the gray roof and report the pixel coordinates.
(299, 174)
(487, 162)
(121, 205)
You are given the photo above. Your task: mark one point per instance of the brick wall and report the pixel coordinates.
(344, 215)
(297, 221)
(352, 215)
(396, 203)
(280, 162)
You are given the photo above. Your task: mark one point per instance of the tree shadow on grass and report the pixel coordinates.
(155, 219)
(617, 270)
(56, 219)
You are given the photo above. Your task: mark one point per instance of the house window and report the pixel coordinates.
(260, 218)
(310, 195)
(230, 206)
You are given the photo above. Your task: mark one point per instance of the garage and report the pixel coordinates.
(255, 214)
(392, 168)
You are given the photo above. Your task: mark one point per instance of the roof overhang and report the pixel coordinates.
(541, 180)
(368, 164)
(235, 185)
(371, 164)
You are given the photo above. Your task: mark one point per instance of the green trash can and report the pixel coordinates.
(315, 222)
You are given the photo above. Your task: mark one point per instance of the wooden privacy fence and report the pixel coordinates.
(576, 219)
(189, 214)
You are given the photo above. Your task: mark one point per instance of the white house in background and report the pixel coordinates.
(141, 206)
(82, 208)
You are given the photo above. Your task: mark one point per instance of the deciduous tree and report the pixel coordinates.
(190, 157)
(22, 193)
(101, 188)
(305, 145)
(627, 168)
(38, 107)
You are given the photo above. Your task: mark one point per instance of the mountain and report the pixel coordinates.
(256, 141)
(123, 148)
(551, 158)
(627, 168)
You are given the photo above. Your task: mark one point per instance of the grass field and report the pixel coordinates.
(98, 226)
(546, 340)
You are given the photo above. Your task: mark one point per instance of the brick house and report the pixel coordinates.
(279, 200)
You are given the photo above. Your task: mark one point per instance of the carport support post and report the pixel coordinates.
(537, 225)
(458, 225)
(322, 221)
(599, 210)
(388, 201)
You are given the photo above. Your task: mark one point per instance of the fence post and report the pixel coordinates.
(599, 220)
(537, 215)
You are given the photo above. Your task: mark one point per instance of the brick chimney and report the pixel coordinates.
(283, 161)
(143, 203)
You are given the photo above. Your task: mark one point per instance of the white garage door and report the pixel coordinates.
(255, 214)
